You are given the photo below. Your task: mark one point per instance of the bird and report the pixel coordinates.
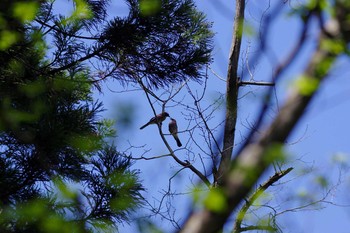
(173, 131)
(157, 119)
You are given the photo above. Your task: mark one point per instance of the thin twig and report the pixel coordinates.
(185, 164)
(245, 83)
(241, 214)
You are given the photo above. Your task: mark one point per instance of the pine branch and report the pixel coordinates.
(76, 62)
(57, 29)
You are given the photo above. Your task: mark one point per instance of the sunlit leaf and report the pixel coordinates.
(122, 203)
(248, 30)
(57, 224)
(39, 43)
(106, 128)
(103, 226)
(323, 66)
(215, 201)
(307, 85)
(199, 194)
(274, 153)
(25, 11)
(82, 10)
(85, 143)
(7, 38)
(149, 7)
(32, 210)
(263, 196)
(322, 181)
(64, 189)
(341, 158)
(302, 193)
(333, 46)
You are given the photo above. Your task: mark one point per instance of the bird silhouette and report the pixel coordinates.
(157, 119)
(173, 131)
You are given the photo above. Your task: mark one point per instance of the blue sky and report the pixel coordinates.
(319, 136)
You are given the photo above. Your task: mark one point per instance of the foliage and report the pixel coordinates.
(50, 135)
(168, 46)
(57, 171)
(240, 160)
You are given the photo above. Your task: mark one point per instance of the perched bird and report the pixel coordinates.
(157, 119)
(173, 131)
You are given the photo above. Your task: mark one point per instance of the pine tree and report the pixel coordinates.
(57, 171)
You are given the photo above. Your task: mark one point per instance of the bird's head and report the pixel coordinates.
(166, 114)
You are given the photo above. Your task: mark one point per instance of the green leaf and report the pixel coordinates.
(322, 181)
(33, 89)
(197, 194)
(106, 129)
(56, 224)
(25, 11)
(33, 210)
(215, 201)
(64, 189)
(274, 152)
(149, 7)
(82, 10)
(335, 46)
(85, 143)
(15, 116)
(248, 30)
(307, 85)
(7, 38)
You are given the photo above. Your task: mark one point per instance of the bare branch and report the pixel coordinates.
(231, 95)
(200, 113)
(252, 159)
(245, 83)
(273, 179)
(185, 164)
(281, 68)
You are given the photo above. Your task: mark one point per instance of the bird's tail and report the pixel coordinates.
(144, 126)
(178, 142)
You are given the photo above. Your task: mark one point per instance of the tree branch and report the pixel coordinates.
(281, 68)
(231, 95)
(76, 62)
(259, 227)
(245, 83)
(273, 179)
(185, 164)
(57, 29)
(251, 163)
